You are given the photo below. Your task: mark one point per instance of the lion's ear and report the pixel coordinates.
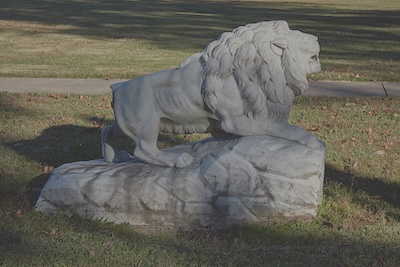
(278, 45)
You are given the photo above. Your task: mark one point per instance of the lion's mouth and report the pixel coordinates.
(313, 64)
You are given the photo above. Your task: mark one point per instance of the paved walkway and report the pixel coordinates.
(99, 86)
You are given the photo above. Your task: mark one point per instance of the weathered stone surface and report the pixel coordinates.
(243, 83)
(244, 180)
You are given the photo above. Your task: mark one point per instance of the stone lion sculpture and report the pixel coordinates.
(242, 84)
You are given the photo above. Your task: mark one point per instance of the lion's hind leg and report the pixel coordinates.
(109, 136)
(144, 133)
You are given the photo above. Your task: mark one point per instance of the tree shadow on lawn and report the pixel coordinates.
(263, 245)
(167, 23)
(375, 188)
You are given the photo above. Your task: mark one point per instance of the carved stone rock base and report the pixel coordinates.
(246, 180)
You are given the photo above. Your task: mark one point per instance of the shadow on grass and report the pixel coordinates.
(240, 246)
(69, 143)
(167, 23)
(75, 241)
(376, 189)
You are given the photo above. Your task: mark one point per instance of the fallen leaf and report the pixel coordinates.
(55, 96)
(53, 232)
(18, 214)
(371, 134)
(379, 257)
(388, 145)
(380, 152)
(370, 131)
(48, 169)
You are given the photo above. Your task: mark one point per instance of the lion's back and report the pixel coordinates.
(174, 95)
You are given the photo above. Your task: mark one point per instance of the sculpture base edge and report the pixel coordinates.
(238, 181)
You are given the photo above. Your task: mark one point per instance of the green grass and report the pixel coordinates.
(357, 225)
(359, 219)
(125, 39)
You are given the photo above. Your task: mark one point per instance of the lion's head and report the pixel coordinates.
(269, 62)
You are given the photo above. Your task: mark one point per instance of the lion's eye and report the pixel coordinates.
(314, 58)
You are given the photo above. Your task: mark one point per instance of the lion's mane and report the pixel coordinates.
(267, 82)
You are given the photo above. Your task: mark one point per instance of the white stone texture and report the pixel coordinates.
(242, 84)
(246, 180)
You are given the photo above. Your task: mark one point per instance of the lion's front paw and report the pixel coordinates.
(311, 141)
(122, 156)
(183, 160)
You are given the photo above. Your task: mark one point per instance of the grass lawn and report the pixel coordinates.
(358, 223)
(125, 39)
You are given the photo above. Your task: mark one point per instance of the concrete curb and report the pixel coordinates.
(102, 86)
(56, 85)
(343, 89)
